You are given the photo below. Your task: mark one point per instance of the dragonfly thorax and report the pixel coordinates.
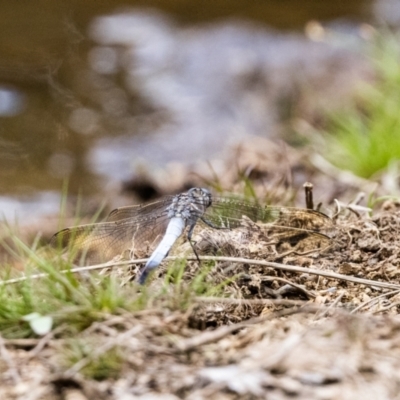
(190, 205)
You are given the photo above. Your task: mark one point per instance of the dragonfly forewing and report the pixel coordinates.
(101, 242)
(140, 211)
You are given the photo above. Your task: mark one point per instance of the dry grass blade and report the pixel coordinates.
(75, 270)
(276, 302)
(238, 260)
(302, 270)
(293, 285)
(395, 304)
(374, 300)
(334, 304)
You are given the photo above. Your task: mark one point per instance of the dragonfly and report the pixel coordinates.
(162, 222)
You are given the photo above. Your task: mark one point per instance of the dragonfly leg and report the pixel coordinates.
(192, 243)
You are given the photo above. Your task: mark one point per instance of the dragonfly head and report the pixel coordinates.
(201, 195)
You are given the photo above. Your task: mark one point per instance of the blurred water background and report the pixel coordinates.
(96, 92)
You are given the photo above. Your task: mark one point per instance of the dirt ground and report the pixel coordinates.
(325, 329)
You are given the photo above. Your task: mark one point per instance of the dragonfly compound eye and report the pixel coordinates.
(207, 197)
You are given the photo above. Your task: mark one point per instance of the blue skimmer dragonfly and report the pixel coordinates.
(162, 222)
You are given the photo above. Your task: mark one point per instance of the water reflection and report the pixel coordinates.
(201, 88)
(29, 208)
(130, 89)
(12, 102)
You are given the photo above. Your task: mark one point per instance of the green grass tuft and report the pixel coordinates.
(365, 138)
(75, 301)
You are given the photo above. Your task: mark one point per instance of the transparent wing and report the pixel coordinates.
(141, 210)
(289, 228)
(126, 228)
(228, 212)
(96, 243)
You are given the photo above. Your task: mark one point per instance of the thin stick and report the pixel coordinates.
(327, 309)
(302, 270)
(308, 189)
(267, 302)
(77, 269)
(295, 285)
(268, 264)
(395, 304)
(373, 300)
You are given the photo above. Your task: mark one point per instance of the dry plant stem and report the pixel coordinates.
(302, 270)
(276, 302)
(395, 304)
(308, 189)
(76, 270)
(285, 267)
(21, 343)
(359, 198)
(269, 264)
(9, 361)
(326, 310)
(298, 253)
(373, 300)
(295, 285)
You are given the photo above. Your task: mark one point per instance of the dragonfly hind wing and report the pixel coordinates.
(90, 244)
(228, 213)
(289, 228)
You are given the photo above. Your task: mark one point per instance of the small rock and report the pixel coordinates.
(369, 244)
(349, 268)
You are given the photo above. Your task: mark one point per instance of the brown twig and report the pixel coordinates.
(295, 285)
(373, 300)
(75, 270)
(308, 189)
(302, 270)
(227, 300)
(327, 309)
(395, 304)
(269, 264)
(21, 343)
